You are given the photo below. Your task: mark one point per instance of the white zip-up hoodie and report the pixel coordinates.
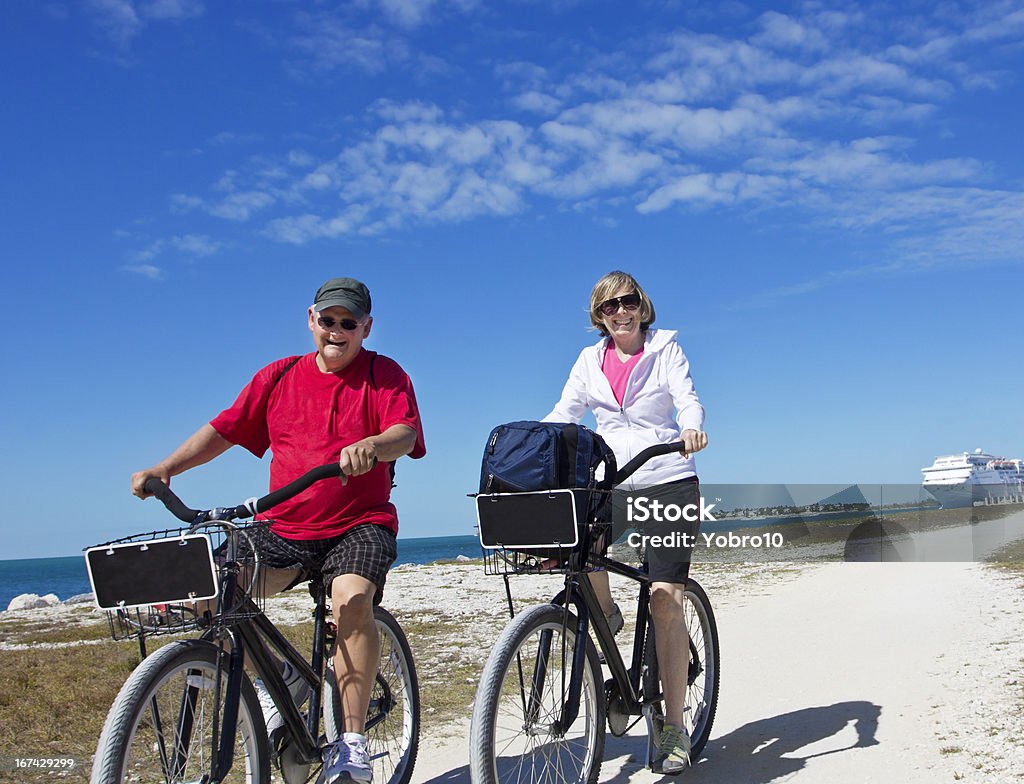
(660, 402)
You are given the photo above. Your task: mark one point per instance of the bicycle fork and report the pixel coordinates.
(574, 688)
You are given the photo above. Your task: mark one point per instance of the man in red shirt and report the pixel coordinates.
(341, 402)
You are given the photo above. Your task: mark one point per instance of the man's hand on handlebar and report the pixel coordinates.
(694, 441)
(358, 458)
(139, 479)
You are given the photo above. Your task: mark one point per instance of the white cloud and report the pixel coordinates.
(330, 43)
(830, 113)
(230, 137)
(868, 164)
(117, 18)
(407, 13)
(122, 20)
(784, 32)
(538, 102)
(192, 245)
(170, 9)
(242, 205)
(413, 13)
(706, 188)
(145, 270)
(196, 244)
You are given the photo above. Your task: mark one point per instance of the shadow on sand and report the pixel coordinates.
(767, 749)
(755, 753)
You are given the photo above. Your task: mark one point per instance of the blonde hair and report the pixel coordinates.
(607, 287)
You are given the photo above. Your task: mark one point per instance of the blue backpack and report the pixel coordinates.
(525, 456)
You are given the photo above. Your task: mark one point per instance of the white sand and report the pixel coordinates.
(844, 673)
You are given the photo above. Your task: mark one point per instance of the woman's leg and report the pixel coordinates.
(672, 646)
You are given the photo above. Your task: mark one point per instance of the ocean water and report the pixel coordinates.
(67, 577)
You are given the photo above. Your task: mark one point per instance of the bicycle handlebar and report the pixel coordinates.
(177, 508)
(650, 452)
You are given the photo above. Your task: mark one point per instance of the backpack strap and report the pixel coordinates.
(281, 374)
(373, 384)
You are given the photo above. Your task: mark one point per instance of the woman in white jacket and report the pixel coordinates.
(637, 382)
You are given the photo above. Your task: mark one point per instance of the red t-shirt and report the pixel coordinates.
(305, 419)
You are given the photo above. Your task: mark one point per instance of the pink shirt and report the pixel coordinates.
(617, 372)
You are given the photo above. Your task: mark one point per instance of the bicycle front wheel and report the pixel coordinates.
(517, 732)
(165, 723)
(393, 718)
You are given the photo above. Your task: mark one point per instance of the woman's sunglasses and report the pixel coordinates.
(611, 306)
(328, 323)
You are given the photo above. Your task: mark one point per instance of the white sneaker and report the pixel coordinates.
(346, 760)
(297, 687)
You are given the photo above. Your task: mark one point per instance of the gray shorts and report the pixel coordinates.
(367, 550)
(664, 564)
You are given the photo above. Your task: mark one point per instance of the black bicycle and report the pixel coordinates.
(188, 712)
(542, 701)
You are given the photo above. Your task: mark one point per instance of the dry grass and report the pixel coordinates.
(54, 699)
(53, 702)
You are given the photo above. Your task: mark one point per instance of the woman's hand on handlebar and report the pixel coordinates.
(139, 479)
(694, 441)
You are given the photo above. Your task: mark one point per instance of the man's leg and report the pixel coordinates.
(357, 653)
(355, 569)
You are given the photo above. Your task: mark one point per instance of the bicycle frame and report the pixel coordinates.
(580, 593)
(204, 719)
(253, 637)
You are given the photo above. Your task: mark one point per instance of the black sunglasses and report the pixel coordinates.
(328, 323)
(611, 306)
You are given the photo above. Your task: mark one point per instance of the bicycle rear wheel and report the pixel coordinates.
(515, 736)
(164, 724)
(702, 678)
(393, 718)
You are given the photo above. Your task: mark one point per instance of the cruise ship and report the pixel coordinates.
(974, 478)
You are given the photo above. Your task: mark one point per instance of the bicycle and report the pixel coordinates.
(542, 701)
(188, 712)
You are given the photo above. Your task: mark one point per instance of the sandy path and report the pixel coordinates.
(850, 673)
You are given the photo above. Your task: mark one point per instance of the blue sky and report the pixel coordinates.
(827, 200)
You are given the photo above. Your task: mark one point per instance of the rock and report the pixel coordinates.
(463, 558)
(27, 601)
(80, 598)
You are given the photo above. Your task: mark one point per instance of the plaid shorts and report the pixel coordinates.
(367, 550)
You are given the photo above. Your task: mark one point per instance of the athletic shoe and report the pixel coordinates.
(346, 760)
(673, 751)
(297, 687)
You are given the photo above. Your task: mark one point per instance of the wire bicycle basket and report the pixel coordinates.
(548, 531)
(170, 581)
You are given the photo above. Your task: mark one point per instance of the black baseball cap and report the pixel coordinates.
(346, 293)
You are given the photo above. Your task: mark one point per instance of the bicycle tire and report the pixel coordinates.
(393, 718)
(505, 742)
(701, 702)
(176, 685)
